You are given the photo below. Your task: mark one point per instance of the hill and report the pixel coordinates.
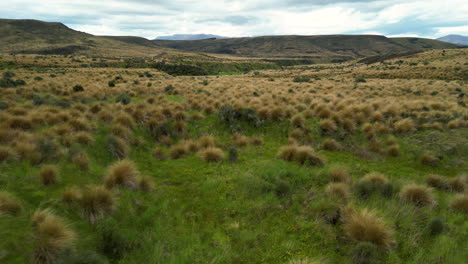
(324, 48)
(455, 39)
(189, 37)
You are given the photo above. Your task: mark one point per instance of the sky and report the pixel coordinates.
(233, 18)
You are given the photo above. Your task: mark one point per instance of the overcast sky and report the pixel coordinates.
(152, 18)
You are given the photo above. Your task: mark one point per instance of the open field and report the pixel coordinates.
(104, 160)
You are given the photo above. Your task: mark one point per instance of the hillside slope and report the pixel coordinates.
(455, 39)
(320, 48)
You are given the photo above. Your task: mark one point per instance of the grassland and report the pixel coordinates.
(328, 163)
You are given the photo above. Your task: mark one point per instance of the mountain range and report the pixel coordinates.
(190, 37)
(33, 36)
(455, 39)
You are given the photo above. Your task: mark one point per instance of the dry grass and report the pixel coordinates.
(338, 190)
(211, 154)
(375, 178)
(96, 202)
(417, 194)
(48, 175)
(122, 173)
(52, 237)
(366, 226)
(81, 160)
(460, 203)
(340, 174)
(9, 204)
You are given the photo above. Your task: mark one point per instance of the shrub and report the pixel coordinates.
(366, 226)
(122, 173)
(96, 202)
(78, 88)
(460, 203)
(48, 175)
(233, 155)
(340, 174)
(52, 237)
(211, 154)
(365, 253)
(123, 99)
(436, 226)
(9, 204)
(417, 194)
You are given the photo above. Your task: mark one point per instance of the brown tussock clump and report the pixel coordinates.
(7, 154)
(146, 184)
(288, 152)
(393, 150)
(178, 151)
(83, 137)
(340, 174)
(339, 190)
(460, 203)
(305, 155)
(256, 141)
(331, 145)
(206, 142)
(122, 173)
(375, 177)
(417, 194)
(48, 175)
(211, 154)
(298, 121)
(438, 182)
(327, 126)
(81, 160)
(458, 184)
(159, 154)
(428, 160)
(9, 204)
(96, 202)
(52, 237)
(405, 125)
(240, 140)
(366, 226)
(71, 195)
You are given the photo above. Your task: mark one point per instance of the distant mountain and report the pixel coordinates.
(190, 37)
(455, 39)
(323, 48)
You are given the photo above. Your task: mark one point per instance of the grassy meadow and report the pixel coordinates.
(324, 163)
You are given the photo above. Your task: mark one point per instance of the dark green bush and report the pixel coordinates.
(233, 154)
(3, 106)
(169, 88)
(123, 99)
(300, 79)
(78, 88)
(360, 79)
(436, 226)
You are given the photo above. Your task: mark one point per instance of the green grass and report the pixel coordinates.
(257, 210)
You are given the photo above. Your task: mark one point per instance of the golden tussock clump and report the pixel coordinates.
(454, 124)
(211, 154)
(240, 140)
(393, 150)
(52, 237)
(438, 182)
(146, 184)
(417, 194)
(178, 151)
(340, 174)
(327, 126)
(338, 190)
(375, 178)
(48, 175)
(366, 226)
(207, 142)
(20, 122)
(124, 119)
(79, 124)
(83, 137)
(458, 184)
(256, 141)
(7, 154)
(304, 155)
(121, 131)
(460, 203)
(117, 147)
(331, 145)
(405, 125)
(298, 121)
(71, 195)
(196, 116)
(96, 202)
(122, 173)
(9, 204)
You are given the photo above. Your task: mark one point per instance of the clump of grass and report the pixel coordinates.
(159, 154)
(83, 137)
(122, 173)
(366, 226)
(178, 151)
(256, 141)
(417, 194)
(298, 121)
(327, 126)
(331, 145)
(52, 237)
(458, 184)
(240, 140)
(96, 202)
(6, 154)
(146, 184)
(393, 150)
(428, 160)
(48, 175)
(340, 174)
(438, 182)
(338, 190)
(71, 195)
(211, 154)
(301, 154)
(375, 177)
(117, 147)
(9, 204)
(365, 253)
(207, 142)
(460, 203)
(81, 160)
(404, 125)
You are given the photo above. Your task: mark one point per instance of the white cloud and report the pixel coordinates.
(150, 18)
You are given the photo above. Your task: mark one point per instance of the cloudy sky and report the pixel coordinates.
(152, 18)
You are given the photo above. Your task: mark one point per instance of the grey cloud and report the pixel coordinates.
(233, 20)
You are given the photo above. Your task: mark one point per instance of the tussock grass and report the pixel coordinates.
(122, 173)
(211, 154)
(9, 204)
(417, 194)
(48, 175)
